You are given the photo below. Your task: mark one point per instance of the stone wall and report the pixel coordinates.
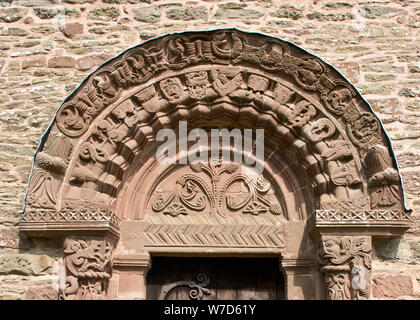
(47, 47)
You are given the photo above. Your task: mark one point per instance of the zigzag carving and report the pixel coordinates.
(200, 231)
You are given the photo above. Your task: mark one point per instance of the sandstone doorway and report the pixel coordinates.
(329, 184)
(175, 278)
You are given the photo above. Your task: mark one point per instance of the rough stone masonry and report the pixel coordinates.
(47, 48)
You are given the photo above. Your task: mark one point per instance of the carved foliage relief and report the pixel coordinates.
(216, 189)
(335, 134)
(88, 268)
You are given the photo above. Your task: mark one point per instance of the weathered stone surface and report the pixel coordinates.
(27, 44)
(352, 49)
(398, 250)
(287, 13)
(408, 159)
(34, 3)
(411, 179)
(385, 89)
(147, 14)
(407, 92)
(85, 63)
(388, 106)
(104, 14)
(61, 62)
(379, 77)
(25, 85)
(47, 13)
(233, 5)
(351, 70)
(337, 5)
(41, 293)
(9, 238)
(414, 68)
(408, 58)
(25, 264)
(12, 14)
(11, 292)
(12, 31)
(330, 16)
(71, 29)
(126, 1)
(382, 68)
(44, 29)
(377, 59)
(190, 13)
(78, 1)
(385, 11)
(391, 286)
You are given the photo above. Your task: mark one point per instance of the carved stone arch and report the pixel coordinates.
(329, 166)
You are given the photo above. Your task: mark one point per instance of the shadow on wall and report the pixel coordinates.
(398, 250)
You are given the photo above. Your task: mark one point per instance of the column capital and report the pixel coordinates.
(346, 263)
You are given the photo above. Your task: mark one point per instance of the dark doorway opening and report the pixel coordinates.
(215, 279)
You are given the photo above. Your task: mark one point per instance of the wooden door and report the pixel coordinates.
(215, 279)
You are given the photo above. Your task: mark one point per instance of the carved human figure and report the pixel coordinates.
(50, 165)
(255, 91)
(383, 179)
(337, 155)
(226, 81)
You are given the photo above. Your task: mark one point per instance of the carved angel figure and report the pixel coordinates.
(383, 178)
(50, 164)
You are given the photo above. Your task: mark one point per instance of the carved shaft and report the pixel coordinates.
(87, 263)
(347, 264)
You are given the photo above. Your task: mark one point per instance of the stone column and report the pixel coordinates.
(87, 268)
(300, 279)
(347, 265)
(131, 272)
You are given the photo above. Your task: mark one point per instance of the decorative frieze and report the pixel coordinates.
(214, 232)
(66, 220)
(367, 216)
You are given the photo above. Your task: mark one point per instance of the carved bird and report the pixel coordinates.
(177, 50)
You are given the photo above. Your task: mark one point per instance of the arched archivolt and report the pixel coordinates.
(105, 131)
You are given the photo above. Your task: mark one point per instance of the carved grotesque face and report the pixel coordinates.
(365, 127)
(303, 112)
(257, 83)
(282, 93)
(320, 130)
(171, 89)
(330, 247)
(338, 98)
(197, 84)
(102, 83)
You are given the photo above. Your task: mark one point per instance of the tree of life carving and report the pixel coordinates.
(214, 194)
